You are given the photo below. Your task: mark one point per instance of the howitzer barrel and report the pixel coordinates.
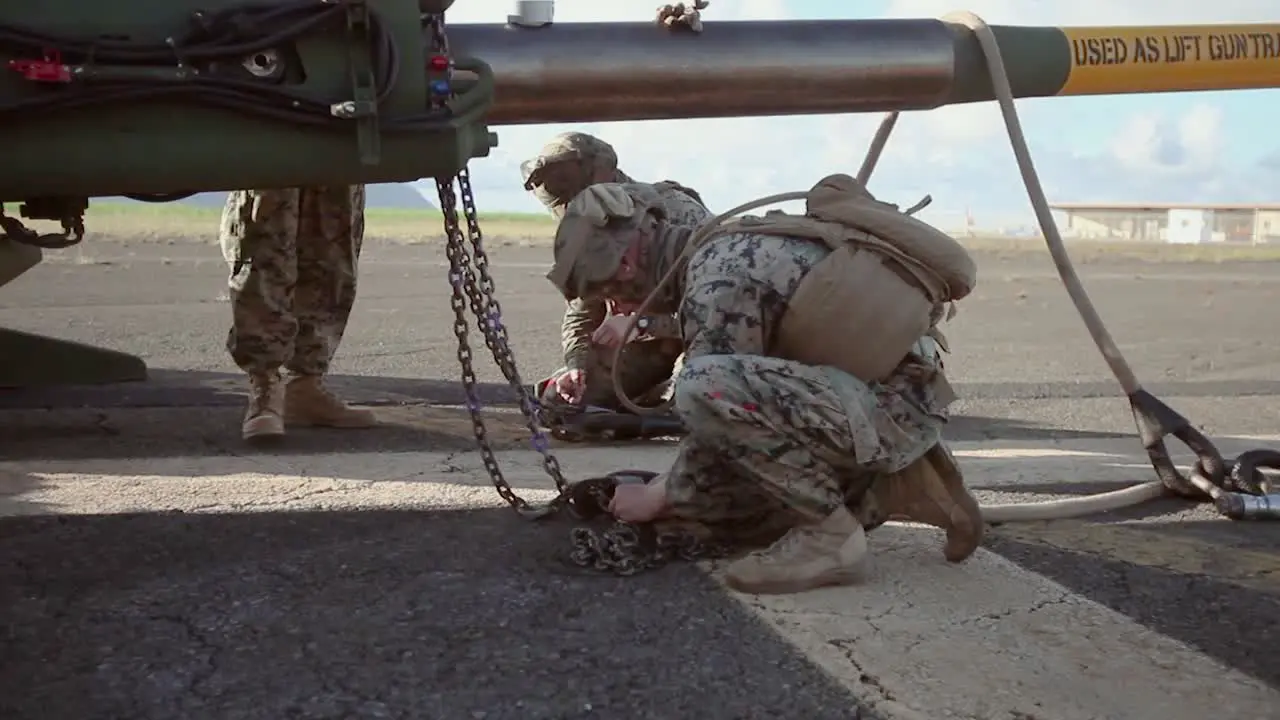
(637, 71)
(139, 114)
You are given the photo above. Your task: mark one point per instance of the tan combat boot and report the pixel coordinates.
(931, 491)
(309, 402)
(264, 419)
(827, 553)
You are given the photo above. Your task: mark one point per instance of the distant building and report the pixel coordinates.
(1171, 223)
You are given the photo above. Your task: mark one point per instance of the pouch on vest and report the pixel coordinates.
(672, 184)
(885, 284)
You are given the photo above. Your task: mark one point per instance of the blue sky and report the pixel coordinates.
(1183, 147)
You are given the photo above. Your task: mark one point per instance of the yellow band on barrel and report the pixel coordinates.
(1172, 58)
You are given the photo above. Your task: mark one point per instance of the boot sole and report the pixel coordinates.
(338, 425)
(261, 432)
(834, 578)
(263, 438)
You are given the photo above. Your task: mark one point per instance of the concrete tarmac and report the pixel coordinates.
(151, 566)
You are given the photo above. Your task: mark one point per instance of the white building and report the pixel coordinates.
(1172, 223)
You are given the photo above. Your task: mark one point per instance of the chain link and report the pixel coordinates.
(488, 314)
(12, 228)
(473, 284)
(622, 548)
(625, 549)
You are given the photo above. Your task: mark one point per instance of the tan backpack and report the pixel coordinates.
(886, 284)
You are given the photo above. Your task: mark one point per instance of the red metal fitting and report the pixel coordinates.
(48, 70)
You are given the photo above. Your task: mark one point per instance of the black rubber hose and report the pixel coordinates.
(202, 45)
(159, 197)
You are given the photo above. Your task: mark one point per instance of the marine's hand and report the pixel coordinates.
(638, 503)
(677, 15)
(609, 334)
(571, 385)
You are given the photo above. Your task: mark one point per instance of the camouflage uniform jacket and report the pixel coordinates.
(582, 317)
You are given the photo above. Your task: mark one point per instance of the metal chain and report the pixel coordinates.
(460, 277)
(488, 314)
(12, 228)
(622, 548)
(626, 549)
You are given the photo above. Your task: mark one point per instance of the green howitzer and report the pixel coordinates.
(156, 97)
(159, 99)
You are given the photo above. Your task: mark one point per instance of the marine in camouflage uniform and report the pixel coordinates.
(806, 458)
(293, 255)
(564, 167)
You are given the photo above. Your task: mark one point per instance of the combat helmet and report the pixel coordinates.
(565, 166)
(595, 233)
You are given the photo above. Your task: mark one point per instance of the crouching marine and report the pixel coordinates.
(813, 389)
(579, 400)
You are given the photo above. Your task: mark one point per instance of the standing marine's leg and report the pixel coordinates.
(330, 235)
(258, 234)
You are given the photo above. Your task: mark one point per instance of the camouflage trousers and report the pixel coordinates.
(646, 372)
(774, 443)
(294, 256)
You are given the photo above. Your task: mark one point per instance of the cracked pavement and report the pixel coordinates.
(367, 614)
(153, 567)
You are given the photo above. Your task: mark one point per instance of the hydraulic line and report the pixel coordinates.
(1155, 420)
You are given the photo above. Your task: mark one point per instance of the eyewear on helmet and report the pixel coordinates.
(529, 171)
(532, 171)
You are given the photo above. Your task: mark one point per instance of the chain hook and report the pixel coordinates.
(1157, 421)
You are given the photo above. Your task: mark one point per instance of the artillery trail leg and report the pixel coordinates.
(28, 360)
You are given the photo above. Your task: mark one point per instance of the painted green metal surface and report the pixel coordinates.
(1037, 59)
(134, 147)
(28, 360)
(149, 146)
(16, 258)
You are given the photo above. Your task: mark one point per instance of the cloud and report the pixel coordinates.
(1094, 12)
(1137, 148)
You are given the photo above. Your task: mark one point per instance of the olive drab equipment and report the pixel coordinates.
(887, 283)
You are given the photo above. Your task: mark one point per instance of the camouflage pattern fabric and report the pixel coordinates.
(294, 255)
(773, 443)
(680, 207)
(647, 365)
(583, 316)
(647, 369)
(567, 164)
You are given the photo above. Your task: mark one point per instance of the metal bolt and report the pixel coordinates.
(264, 64)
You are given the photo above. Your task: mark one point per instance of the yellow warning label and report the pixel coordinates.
(1172, 58)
